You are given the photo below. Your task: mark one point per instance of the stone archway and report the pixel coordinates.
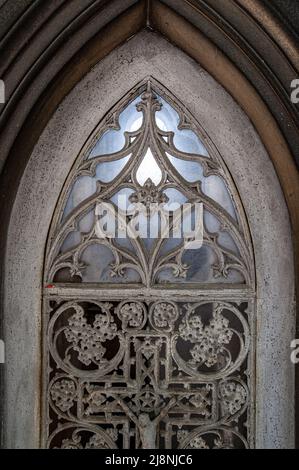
(229, 127)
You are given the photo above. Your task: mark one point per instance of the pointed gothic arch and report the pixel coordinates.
(147, 156)
(282, 438)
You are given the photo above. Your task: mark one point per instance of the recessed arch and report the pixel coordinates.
(155, 147)
(198, 89)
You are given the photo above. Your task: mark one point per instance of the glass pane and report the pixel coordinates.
(122, 198)
(149, 169)
(167, 119)
(187, 141)
(113, 141)
(184, 140)
(190, 171)
(86, 186)
(83, 188)
(176, 198)
(213, 225)
(99, 259)
(200, 262)
(170, 244)
(108, 171)
(74, 238)
(213, 186)
(198, 268)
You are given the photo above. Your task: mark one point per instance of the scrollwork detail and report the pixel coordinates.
(87, 339)
(233, 396)
(163, 316)
(132, 314)
(64, 394)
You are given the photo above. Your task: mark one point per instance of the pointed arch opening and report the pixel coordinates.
(247, 161)
(154, 348)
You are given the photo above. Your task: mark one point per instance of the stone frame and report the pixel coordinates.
(231, 131)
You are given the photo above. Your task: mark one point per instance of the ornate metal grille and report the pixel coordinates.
(149, 343)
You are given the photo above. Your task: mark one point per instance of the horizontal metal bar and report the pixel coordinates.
(179, 293)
